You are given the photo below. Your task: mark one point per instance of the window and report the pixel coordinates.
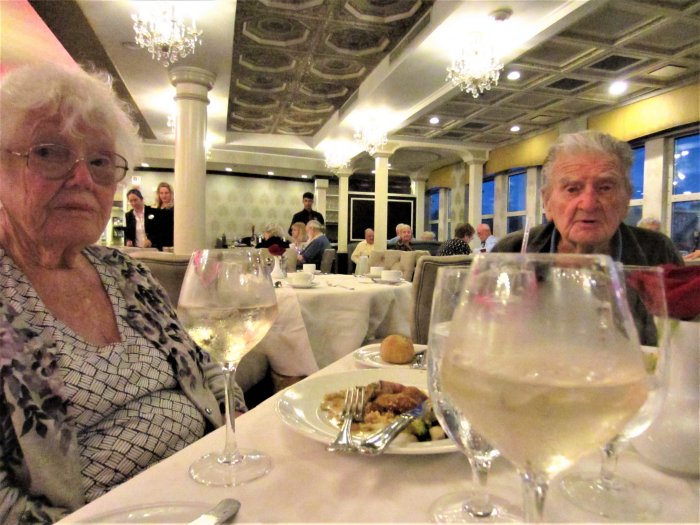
(517, 190)
(685, 193)
(634, 215)
(488, 191)
(637, 173)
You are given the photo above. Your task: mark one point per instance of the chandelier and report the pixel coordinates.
(337, 160)
(165, 36)
(478, 66)
(371, 137)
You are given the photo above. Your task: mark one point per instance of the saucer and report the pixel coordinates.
(310, 285)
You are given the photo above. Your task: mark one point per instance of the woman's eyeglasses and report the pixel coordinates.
(54, 162)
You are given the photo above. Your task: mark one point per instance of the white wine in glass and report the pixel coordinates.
(544, 362)
(227, 305)
(466, 506)
(605, 493)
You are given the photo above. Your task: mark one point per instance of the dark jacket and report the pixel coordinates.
(630, 245)
(306, 216)
(152, 220)
(164, 235)
(313, 253)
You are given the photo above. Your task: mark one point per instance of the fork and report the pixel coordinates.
(352, 411)
(333, 285)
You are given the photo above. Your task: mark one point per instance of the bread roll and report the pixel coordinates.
(396, 349)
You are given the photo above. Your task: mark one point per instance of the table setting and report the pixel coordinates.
(532, 423)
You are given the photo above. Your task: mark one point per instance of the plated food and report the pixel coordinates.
(384, 402)
(371, 355)
(300, 406)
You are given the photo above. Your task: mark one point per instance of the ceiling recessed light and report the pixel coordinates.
(304, 176)
(270, 172)
(145, 165)
(618, 88)
(515, 128)
(513, 75)
(229, 169)
(434, 120)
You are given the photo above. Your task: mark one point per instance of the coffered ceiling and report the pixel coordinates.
(294, 76)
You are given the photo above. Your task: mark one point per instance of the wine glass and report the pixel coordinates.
(606, 493)
(544, 361)
(227, 304)
(468, 506)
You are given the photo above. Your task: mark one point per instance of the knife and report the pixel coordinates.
(220, 513)
(377, 442)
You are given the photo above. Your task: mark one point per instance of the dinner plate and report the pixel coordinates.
(166, 512)
(369, 355)
(300, 406)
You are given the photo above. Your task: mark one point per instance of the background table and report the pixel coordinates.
(309, 484)
(317, 326)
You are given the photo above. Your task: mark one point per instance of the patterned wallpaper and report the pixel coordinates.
(234, 204)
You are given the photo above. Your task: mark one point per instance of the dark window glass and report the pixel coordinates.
(685, 225)
(686, 172)
(637, 173)
(489, 222)
(434, 229)
(516, 223)
(488, 189)
(634, 214)
(434, 204)
(516, 192)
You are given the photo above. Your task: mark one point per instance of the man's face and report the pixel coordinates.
(483, 233)
(308, 203)
(587, 199)
(369, 237)
(406, 234)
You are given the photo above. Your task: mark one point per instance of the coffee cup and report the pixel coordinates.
(300, 278)
(376, 271)
(391, 276)
(309, 268)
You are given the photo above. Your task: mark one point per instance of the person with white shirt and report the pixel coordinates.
(486, 240)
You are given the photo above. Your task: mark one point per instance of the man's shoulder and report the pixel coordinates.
(657, 247)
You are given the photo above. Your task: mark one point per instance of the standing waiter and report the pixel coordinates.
(307, 214)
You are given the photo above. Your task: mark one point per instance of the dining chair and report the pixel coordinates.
(328, 260)
(424, 279)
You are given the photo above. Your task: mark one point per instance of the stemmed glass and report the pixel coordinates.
(606, 493)
(227, 304)
(462, 506)
(544, 361)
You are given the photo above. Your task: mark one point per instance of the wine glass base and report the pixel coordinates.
(623, 501)
(248, 465)
(455, 508)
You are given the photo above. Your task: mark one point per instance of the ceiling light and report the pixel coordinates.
(371, 136)
(685, 153)
(229, 169)
(618, 88)
(434, 120)
(304, 176)
(166, 36)
(515, 128)
(477, 67)
(270, 172)
(513, 75)
(337, 159)
(145, 165)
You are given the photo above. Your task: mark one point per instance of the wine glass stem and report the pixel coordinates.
(479, 505)
(608, 464)
(230, 453)
(534, 494)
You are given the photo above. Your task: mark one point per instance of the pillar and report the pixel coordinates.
(343, 216)
(476, 178)
(191, 87)
(381, 198)
(418, 180)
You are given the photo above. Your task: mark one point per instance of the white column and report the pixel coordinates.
(418, 180)
(343, 179)
(320, 190)
(500, 206)
(381, 198)
(476, 179)
(655, 183)
(533, 199)
(457, 201)
(191, 87)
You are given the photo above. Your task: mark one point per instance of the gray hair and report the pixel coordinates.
(645, 222)
(589, 140)
(83, 102)
(315, 224)
(275, 230)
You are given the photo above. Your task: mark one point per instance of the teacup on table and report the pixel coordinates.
(376, 271)
(309, 268)
(391, 276)
(300, 278)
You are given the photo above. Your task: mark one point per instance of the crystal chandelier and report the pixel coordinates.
(478, 67)
(165, 36)
(371, 137)
(337, 160)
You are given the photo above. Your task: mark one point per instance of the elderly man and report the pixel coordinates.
(586, 194)
(365, 247)
(405, 238)
(317, 243)
(486, 240)
(394, 240)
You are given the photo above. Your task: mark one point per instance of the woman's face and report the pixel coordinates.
(67, 212)
(135, 202)
(296, 232)
(165, 195)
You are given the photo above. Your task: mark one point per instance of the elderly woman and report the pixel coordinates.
(586, 194)
(273, 235)
(165, 204)
(299, 238)
(98, 378)
(318, 242)
(459, 245)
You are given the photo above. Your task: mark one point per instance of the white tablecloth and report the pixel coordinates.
(337, 315)
(309, 484)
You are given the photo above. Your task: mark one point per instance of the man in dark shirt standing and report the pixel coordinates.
(307, 214)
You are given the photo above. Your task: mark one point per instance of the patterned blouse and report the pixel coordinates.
(77, 419)
(454, 247)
